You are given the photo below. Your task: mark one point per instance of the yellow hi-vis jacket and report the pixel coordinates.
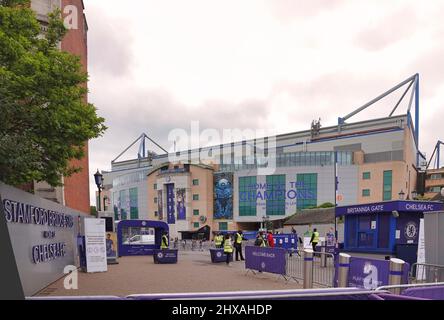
(238, 238)
(228, 247)
(164, 244)
(316, 237)
(218, 240)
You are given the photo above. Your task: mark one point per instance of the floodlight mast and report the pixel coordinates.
(413, 84)
(436, 151)
(142, 148)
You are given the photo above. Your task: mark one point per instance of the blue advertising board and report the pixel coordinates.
(170, 203)
(265, 259)
(218, 255)
(371, 273)
(286, 241)
(223, 195)
(389, 206)
(165, 256)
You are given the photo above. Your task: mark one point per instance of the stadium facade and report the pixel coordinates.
(372, 161)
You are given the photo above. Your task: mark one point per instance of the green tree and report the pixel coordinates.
(44, 119)
(93, 211)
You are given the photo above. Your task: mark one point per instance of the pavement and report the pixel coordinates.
(194, 272)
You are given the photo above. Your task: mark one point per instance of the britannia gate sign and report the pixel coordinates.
(43, 236)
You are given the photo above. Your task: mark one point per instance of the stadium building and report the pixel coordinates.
(371, 161)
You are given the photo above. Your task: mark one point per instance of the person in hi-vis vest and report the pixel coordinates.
(218, 239)
(314, 239)
(165, 242)
(238, 245)
(228, 248)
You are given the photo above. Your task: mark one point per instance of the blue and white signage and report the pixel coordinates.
(402, 206)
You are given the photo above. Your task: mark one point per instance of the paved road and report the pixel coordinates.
(193, 273)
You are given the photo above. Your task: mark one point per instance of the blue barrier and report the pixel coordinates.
(369, 273)
(218, 255)
(265, 259)
(433, 293)
(165, 256)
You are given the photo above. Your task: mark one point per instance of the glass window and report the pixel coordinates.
(123, 204)
(275, 195)
(196, 212)
(366, 192)
(387, 187)
(366, 175)
(196, 224)
(155, 200)
(155, 186)
(134, 208)
(307, 190)
(223, 226)
(247, 196)
(195, 197)
(195, 182)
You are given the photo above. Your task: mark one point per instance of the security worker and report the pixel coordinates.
(238, 245)
(228, 248)
(165, 242)
(314, 239)
(260, 241)
(218, 239)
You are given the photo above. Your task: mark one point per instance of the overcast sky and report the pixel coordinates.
(158, 65)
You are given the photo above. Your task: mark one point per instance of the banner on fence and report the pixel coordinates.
(265, 259)
(372, 273)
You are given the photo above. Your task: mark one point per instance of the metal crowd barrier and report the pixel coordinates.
(312, 269)
(324, 269)
(192, 246)
(426, 273)
(295, 294)
(417, 290)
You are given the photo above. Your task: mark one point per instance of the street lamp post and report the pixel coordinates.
(98, 177)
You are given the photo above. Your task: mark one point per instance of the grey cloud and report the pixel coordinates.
(388, 30)
(109, 47)
(288, 10)
(156, 112)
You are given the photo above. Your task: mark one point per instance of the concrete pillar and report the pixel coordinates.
(395, 275)
(343, 267)
(308, 269)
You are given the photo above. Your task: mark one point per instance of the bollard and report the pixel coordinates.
(344, 266)
(308, 269)
(395, 275)
(323, 256)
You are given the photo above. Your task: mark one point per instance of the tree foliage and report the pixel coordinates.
(44, 119)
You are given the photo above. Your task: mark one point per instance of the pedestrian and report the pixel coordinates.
(238, 245)
(270, 239)
(314, 239)
(260, 241)
(218, 239)
(228, 248)
(165, 241)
